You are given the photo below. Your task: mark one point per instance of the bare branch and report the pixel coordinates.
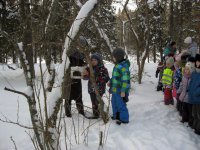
(15, 123)
(18, 92)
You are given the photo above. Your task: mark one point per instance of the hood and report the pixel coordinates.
(125, 63)
(193, 44)
(197, 70)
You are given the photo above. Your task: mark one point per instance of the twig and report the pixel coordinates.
(16, 123)
(90, 125)
(13, 142)
(33, 141)
(18, 109)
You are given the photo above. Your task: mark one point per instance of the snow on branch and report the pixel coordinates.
(50, 12)
(100, 30)
(28, 91)
(103, 34)
(20, 45)
(83, 13)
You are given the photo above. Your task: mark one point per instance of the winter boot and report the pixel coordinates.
(159, 86)
(117, 116)
(119, 122)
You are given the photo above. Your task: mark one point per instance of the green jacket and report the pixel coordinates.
(169, 51)
(120, 81)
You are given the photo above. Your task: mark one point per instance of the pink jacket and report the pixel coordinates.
(183, 88)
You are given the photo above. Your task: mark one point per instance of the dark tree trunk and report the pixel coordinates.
(14, 56)
(6, 58)
(1, 59)
(171, 20)
(154, 53)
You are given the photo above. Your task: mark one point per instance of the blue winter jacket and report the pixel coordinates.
(177, 78)
(194, 88)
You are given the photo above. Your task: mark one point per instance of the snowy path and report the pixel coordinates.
(153, 126)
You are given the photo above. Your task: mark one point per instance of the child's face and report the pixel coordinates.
(187, 71)
(174, 46)
(198, 64)
(168, 65)
(94, 62)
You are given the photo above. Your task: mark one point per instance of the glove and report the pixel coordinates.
(125, 99)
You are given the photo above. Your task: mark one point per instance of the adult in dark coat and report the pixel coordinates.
(76, 59)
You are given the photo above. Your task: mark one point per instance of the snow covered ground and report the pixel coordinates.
(153, 126)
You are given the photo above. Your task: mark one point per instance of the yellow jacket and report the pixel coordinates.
(167, 78)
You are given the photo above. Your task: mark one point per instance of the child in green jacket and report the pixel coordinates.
(120, 86)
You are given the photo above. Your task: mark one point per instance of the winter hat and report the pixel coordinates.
(184, 57)
(188, 40)
(118, 54)
(170, 61)
(77, 55)
(97, 56)
(191, 59)
(191, 66)
(160, 64)
(197, 57)
(172, 43)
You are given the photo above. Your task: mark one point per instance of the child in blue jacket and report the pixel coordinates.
(120, 86)
(194, 95)
(177, 80)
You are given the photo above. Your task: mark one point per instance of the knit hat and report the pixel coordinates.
(97, 56)
(118, 54)
(172, 43)
(197, 57)
(191, 66)
(191, 59)
(170, 61)
(188, 40)
(160, 64)
(185, 56)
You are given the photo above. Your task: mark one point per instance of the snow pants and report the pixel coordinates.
(179, 104)
(187, 113)
(95, 104)
(168, 98)
(75, 94)
(119, 106)
(196, 117)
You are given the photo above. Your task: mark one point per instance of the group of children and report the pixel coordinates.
(119, 84)
(181, 80)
